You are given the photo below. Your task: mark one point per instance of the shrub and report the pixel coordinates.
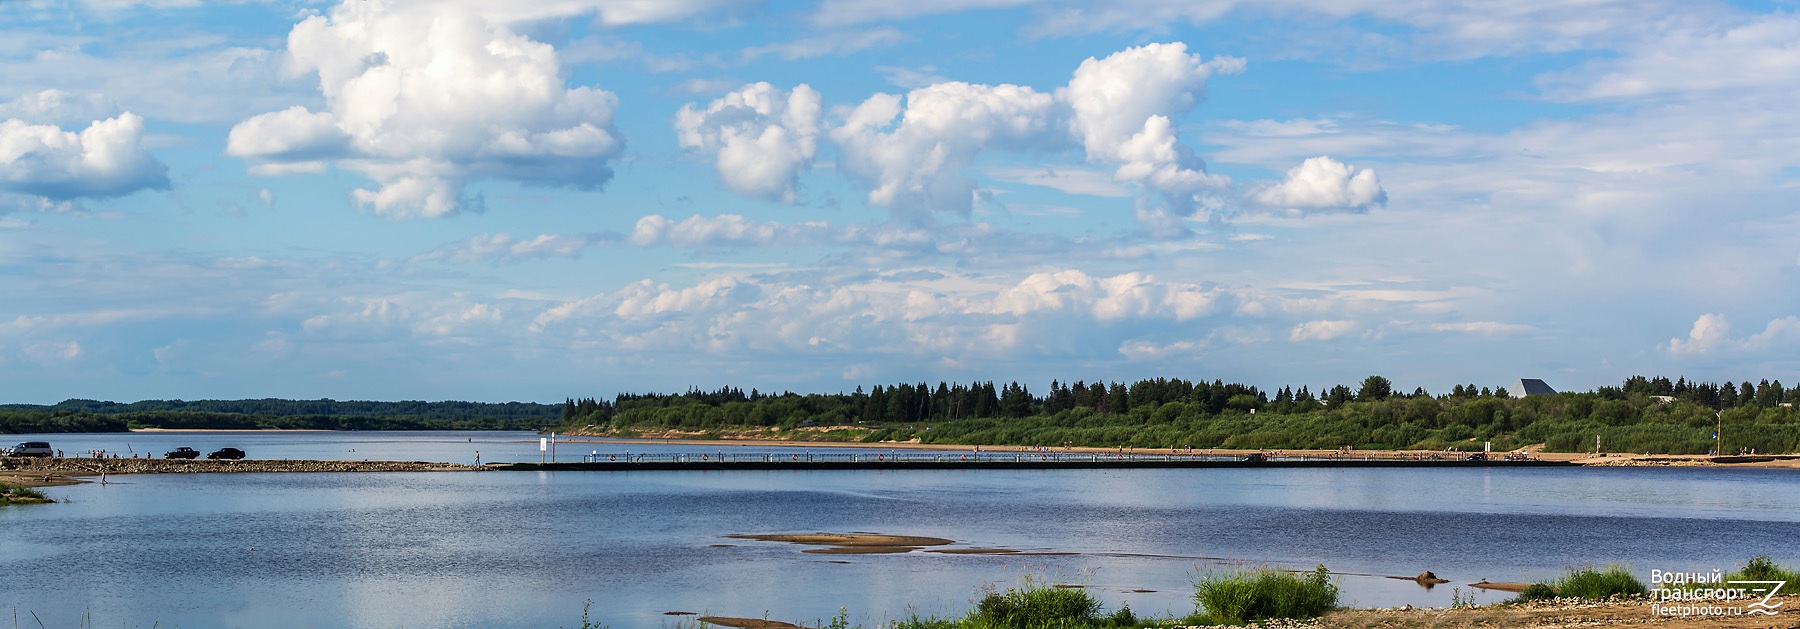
(1238, 597)
(1762, 568)
(14, 493)
(1037, 606)
(1594, 584)
(1536, 592)
(1033, 606)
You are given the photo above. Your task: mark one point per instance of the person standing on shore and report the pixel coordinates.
(477, 458)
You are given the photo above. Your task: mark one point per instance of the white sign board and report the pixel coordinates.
(543, 444)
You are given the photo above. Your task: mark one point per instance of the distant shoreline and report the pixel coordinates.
(1782, 461)
(231, 430)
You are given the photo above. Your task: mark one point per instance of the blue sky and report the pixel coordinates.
(530, 200)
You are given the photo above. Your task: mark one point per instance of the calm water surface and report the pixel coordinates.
(525, 549)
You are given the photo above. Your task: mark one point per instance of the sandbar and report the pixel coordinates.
(1503, 587)
(747, 623)
(852, 543)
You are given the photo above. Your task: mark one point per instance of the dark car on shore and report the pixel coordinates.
(227, 453)
(182, 452)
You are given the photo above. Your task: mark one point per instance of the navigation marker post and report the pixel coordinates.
(543, 446)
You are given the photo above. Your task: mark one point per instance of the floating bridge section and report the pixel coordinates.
(628, 461)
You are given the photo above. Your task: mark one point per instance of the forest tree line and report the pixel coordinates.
(268, 413)
(1643, 414)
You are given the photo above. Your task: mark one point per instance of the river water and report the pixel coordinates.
(526, 549)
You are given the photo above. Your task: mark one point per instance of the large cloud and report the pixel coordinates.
(912, 150)
(423, 98)
(1124, 105)
(914, 165)
(1124, 109)
(107, 159)
(762, 137)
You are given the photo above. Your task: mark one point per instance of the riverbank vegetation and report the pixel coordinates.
(1227, 598)
(1762, 568)
(1032, 606)
(1587, 583)
(98, 416)
(1645, 415)
(12, 494)
(1591, 583)
(1235, 598)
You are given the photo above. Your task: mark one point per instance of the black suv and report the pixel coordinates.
(227, 453)
(182, 452)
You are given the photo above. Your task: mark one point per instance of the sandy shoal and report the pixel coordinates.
(849, 539)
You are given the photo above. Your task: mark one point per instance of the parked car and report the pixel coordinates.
(1478, 456)
(1254, 457)
(227, 453)
(182, 452)
(29, 448)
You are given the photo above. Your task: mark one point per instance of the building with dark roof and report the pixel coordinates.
(1531, 386)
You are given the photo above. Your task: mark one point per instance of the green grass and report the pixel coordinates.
(1235, 598)
(1762, 568)
(21, 495)
(1032, 606)
(1588, 583)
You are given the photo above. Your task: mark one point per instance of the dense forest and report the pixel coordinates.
(98, 416)
(1654, 415)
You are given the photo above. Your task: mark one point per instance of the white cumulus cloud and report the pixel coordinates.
(425, 97)
(912, 150)
(1712, 334)
(762, 137)
(912, 156)
(107, 159)
(1124, 107)
(1322, 183)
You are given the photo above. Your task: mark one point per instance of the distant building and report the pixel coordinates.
(1530, 386)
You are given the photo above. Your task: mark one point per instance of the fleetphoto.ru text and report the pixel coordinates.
(1709, 594)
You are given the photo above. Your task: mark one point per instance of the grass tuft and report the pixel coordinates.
(1762, 568)
(1032, 606)
(14, 494)
(1588, 583)
(1235, 598)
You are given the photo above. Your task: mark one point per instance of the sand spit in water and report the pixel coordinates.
(747, 623)
(852, 543)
